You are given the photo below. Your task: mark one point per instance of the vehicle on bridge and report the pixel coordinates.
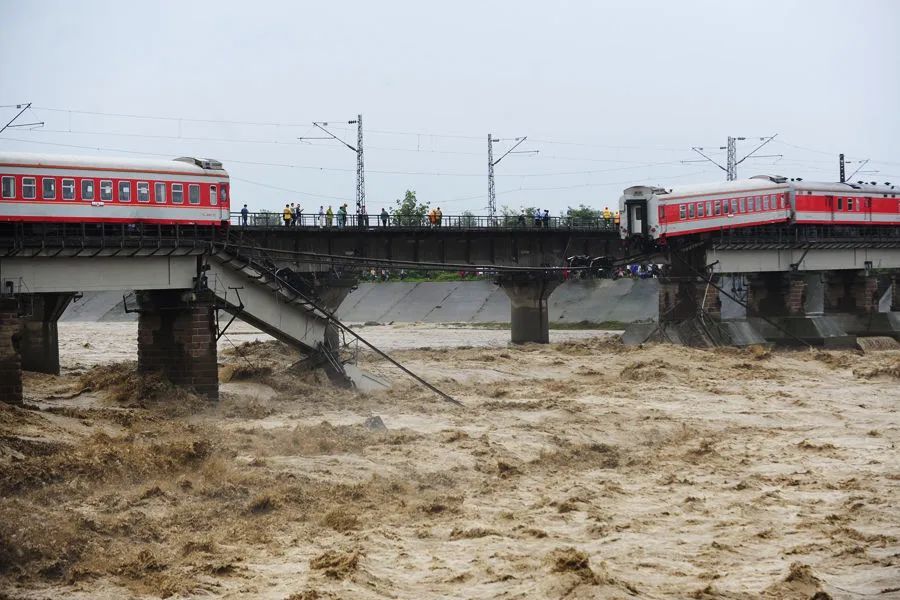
(90, 189)
(658, 213)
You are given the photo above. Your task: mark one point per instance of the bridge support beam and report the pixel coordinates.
(177, 337)
(783, 307)
(39, 346)
(681, 297)
(776, 294)
(529, 317)
(895, 292)
(852, 298)
(10, 362)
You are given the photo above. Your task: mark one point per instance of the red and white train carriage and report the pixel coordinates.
(660, 213)
(56, 188)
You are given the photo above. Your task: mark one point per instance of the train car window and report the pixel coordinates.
(68, 189)
(840, 204)
(9, 187)
(159, 192)
(177, 193)
(758, 203)
(765, 203)
(849, 203)
(48, 188)
(682, 211)
(691, 210)
(124, 191)
(718, 207)
(194, 194)
(742, 205)
(143, 191)
(709, 209)
(223, 193)
(87, 189)
(700, 209)
(105, 190)
(29, 188)
(781, 200)
(213, 195)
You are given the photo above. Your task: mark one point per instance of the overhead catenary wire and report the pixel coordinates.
(632, 165)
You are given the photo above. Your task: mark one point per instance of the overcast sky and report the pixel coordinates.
(610, 93)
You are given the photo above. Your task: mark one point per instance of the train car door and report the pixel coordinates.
(636, 211)
(830, 202)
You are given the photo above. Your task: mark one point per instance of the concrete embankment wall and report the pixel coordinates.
(624, 300)
(593, 300)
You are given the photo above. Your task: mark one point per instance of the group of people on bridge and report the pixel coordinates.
(292, 215)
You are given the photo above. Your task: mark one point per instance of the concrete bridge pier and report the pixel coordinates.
(177, 337)
(851, 298)
(682, 296)
(39, 347)
(10, 361)
(792, 301)
(529, 317)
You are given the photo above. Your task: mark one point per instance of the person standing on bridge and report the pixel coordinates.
(546, 218)
(617, 218)
(298, 215)
(329, 217)
(342, 215)
(320, 218)
(438, 215)
(384, 217)
(288, 215)
(432, 217)
(607, 216)
(244, 214)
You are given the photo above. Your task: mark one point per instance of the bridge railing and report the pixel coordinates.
(273, 219)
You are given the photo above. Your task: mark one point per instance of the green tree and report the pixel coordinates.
(510, 217)
(409, 211)
(467, 219)
(583, 215)
(266, 217)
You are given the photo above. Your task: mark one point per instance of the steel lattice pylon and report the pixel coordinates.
(360, 169)
(492, 201)
(731, 170)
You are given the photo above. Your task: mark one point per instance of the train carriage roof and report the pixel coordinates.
(186, 165)
(761, 182)
(719, 187)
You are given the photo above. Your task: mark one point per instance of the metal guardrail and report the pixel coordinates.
(273, 219)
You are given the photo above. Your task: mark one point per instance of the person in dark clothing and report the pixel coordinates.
(384, 217)
(244, 214)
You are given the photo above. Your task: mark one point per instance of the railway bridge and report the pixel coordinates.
(286, 282)
(817, 286)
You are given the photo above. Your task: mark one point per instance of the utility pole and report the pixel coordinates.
(492, 200)
(841, 159)
(23, 107)
(732, 163)
(358, 149)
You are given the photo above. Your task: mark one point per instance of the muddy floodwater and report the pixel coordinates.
(580, 469)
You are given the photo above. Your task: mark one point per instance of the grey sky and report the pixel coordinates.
(604, 90)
